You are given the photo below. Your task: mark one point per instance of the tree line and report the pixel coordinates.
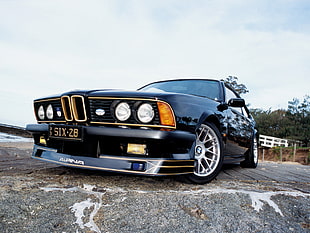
(291, 123)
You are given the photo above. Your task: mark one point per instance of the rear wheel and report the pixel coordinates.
(208, 154)
(251, 156)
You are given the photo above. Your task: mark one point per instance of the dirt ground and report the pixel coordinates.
(302, 155)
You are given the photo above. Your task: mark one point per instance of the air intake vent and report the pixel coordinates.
(74, 108)
(66, 106)
(78, 107)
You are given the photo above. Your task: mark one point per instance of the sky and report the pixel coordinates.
(52, 46)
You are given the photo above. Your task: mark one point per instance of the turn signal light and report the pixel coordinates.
(166, 114)
(43, 141)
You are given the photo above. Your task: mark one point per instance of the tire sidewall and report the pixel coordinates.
(250, 160)
(254, 161)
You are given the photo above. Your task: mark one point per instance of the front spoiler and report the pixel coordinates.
(133, 165)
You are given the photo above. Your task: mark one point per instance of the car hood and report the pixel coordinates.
(130, 94)
(119, 94)
(160, 95)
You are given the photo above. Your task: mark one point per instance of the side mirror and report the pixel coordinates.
(236, 102)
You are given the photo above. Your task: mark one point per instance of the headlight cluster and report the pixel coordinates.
(48, 113)
(145, 112)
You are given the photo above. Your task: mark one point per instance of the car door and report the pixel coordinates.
(239, 127)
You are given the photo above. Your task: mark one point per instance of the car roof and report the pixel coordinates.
(180, 79)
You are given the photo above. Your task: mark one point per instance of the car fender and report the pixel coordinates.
(208, 116)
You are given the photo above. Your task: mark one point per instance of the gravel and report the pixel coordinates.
(42, 197)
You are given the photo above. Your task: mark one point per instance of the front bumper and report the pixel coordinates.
(133, 165)
(123, 132)
(176, 164)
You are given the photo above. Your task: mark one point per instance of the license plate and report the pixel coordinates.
(65, 132)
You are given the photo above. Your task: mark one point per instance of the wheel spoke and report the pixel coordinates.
(200, 134)
(206, 136)
(210, 150)
(209, 140)
(208, 164)
(203, 166)
(211, 160)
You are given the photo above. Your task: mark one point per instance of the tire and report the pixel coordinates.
(208, 154)
(251, 156)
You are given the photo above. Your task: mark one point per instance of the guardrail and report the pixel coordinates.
(268, 141)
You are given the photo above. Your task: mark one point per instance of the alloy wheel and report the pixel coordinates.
(207, 151)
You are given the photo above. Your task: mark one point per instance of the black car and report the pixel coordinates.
(185, 127)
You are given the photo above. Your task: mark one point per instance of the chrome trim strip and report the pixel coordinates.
(52, 121)
(43, 100)
(134, 125)
(122, 98)
(145, 160)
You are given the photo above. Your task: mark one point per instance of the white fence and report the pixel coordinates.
(268, 141)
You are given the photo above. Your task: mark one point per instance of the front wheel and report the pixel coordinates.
(208, 154)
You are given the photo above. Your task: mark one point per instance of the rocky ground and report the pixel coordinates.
(41, 197)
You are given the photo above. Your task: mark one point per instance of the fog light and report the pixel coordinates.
(138, 166)
(136, 149)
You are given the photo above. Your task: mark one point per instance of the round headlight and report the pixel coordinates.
(122, 111)
(145, 113)
(41, 113)
(50, 112)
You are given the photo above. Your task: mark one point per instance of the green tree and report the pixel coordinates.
(262, 120)
(299, 115)
(232, 81)
(293, 123)
(272, 123)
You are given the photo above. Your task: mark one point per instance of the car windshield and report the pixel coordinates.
(204, 88)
